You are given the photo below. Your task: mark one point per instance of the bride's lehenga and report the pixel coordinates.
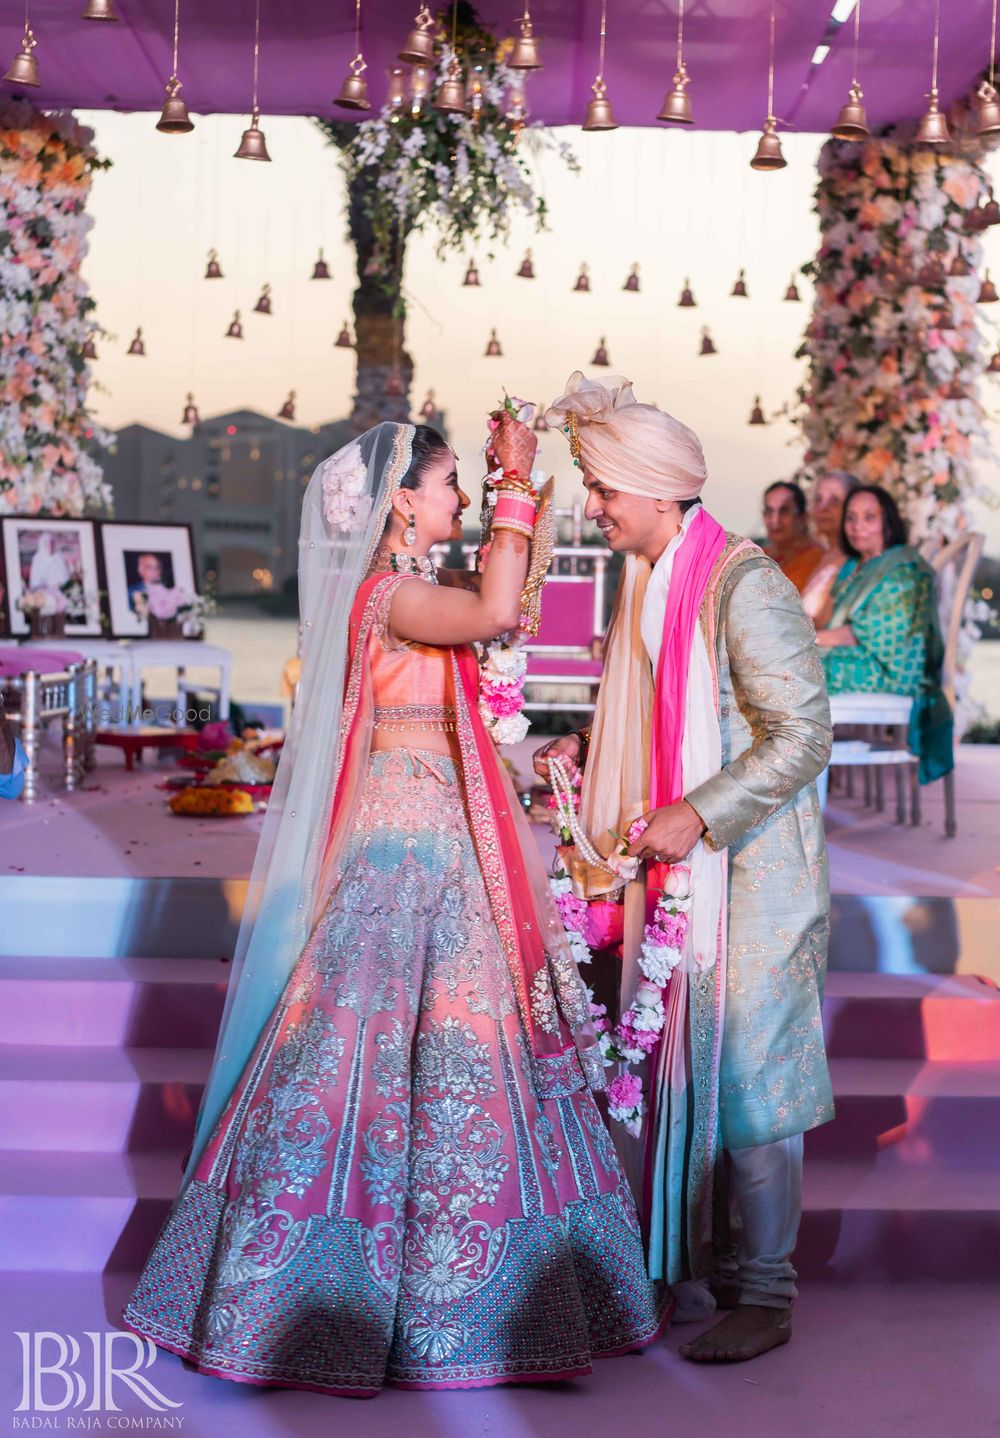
(397, 1190)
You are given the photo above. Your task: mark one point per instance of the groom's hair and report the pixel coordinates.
(428, 445)
(685, 504)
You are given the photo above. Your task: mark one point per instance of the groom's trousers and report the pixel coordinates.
(765, 1184)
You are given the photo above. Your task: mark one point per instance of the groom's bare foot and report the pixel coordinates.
(745, 1333)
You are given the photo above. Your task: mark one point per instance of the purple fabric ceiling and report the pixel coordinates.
(306, 45)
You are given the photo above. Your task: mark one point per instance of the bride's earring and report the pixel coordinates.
(409, 533)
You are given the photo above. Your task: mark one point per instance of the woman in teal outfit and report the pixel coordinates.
(884, 636)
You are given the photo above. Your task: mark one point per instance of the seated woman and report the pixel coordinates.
(826, 511)
(884, 636)
(789, 542)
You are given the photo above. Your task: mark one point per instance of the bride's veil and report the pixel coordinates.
(273, 928)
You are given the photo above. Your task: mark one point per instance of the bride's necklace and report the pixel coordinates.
(419, 565)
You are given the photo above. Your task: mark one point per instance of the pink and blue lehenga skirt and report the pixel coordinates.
(387, 1196)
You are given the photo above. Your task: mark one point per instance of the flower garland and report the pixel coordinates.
(46, 432)
(893, 346)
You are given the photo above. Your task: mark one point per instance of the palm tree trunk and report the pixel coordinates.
(379, 331)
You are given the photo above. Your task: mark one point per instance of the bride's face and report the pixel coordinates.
(438, 503)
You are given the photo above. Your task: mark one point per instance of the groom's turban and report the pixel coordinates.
(633, 447)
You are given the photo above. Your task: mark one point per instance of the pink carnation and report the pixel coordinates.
(632, 1038)
(669, 931)
(502, 700)
(625, 1091)
(572, 911)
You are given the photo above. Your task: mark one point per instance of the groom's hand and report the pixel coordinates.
(670, 834)
(567, 748)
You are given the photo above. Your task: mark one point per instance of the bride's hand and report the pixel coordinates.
(566, 748)
(514, 445)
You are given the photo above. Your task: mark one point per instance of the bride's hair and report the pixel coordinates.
(428, 445)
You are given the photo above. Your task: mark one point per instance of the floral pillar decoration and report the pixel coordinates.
(46, 432)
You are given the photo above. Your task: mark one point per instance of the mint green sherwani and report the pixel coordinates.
(762, 806)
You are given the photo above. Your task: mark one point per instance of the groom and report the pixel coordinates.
(712, 723)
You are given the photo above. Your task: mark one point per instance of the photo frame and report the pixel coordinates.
(57, 560)
(135, 556)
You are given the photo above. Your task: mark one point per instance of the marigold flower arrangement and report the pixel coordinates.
(197, 801)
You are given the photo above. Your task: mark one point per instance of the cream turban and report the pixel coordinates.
(633, 447)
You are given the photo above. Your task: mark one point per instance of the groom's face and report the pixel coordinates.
(629, 523)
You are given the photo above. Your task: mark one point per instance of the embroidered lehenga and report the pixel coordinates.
(410, 1182)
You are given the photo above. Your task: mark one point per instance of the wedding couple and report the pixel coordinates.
(399, 1171)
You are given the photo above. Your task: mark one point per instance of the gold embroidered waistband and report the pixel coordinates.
(427, 717)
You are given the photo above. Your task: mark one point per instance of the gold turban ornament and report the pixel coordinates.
(632, 447)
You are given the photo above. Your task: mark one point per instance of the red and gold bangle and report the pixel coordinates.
(515, 526)
(516, 507)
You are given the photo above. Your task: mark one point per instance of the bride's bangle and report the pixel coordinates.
(515, 512)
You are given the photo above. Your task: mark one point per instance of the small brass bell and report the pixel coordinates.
(599, 116)
(991, 212)
(769, 156)
(190, 415)
(263, 305)
(471, 276)
(287, 410)
(89, 351)
(524, 55)
(540, 426)
(253, 145)
(235, 330)
(933, 128)
(988, 293)
(321, 270)
(707, 345)
(852, 122)
(931, 274)
(428, 410)
(493, 348)
(395, 386)
(632, 281)
(99, 10)
(419, 47)
(943, 320)
(987, 110)
(174, 118)
(739, 290)
(527, 270)
(792, 292)
(24, 67)
(757, 414)
(687, 300)
(994, 365)
(955, 390)
(343, 340)
(354, 91)
(582, 285)
(450, 98)
(213, 270)
(600, 355)
(959, 267)
(975, 220)
(137, 347)
(676, 108)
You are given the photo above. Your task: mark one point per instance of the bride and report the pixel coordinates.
(399, 1173)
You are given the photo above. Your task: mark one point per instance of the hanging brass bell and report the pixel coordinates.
(493, 347)
(931, 275)
(428, 410)
(987, 110)
(354, 91)
(943, 320)
(471, 279)
(252, 145)
(582, 285)
(687, 300)
(739, 290)
(321, 270)
(89, 351)
(213, 270)
(190, 415)
(419, 47)
(933, 128)
(632, 281)
(600, 355)
(792, 292)
(707, 346)
(852, 122)
(24, 67)
(174, 118)
(263, 305)
(137, 347)
(769, 156)
(450, 98)
(956, 390)
(757, 414)
(99, 10)
(599, 116)
(235, 330)
(994, 365)
(676, 108)
(959, 268)
(524, 55)
(527, 270)
(343, 340)
(287, 410)
(988, 293)
(991, 212)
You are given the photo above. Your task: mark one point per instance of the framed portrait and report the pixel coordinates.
(137, 559)
(52, 565)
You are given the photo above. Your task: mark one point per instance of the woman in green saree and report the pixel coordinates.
(884, 636)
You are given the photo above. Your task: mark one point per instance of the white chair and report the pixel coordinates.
(111, 656)
(182, 654)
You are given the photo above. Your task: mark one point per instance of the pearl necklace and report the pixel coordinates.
(562, 789)
(421, 566)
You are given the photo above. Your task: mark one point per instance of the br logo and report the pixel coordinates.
(57, 1374)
